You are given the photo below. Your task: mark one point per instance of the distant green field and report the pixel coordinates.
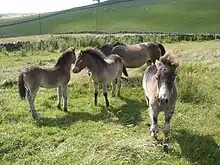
(140, 15)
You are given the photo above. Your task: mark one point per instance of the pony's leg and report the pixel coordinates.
(59, 96)
(119, 85)
(64, 98)
(113, 87)
(147, 100)
(105, 93)
(96, 86)
(153, 113)
(31, 97)
(166, 129)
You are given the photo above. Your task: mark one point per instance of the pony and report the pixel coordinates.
(58, 76)
(103, 70)
(137, 55)
(161, 93)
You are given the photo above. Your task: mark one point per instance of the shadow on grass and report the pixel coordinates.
(72, 117)
(218, 116)
(198, 149)
(129, 113)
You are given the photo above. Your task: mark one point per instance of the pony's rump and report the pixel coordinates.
(162, 49)
(21, 86)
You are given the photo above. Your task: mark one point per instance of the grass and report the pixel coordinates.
(139, 15)
(119, 134)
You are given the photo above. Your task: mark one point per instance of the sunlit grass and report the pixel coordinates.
(119, 134)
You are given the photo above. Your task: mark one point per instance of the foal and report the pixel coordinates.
(34, 77)
(103, 69)
(160, 92)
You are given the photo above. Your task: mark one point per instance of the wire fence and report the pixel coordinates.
(97, 22)
(47, 15)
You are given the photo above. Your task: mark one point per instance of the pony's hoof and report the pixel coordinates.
(153, 135)
(65, 110)
(165, 148)
(36, 119)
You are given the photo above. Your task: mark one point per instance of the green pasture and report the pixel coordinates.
(119, 134)
(196, 16)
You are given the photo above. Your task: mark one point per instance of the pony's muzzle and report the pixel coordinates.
(75, 70)
(163, 97)
(163, 101)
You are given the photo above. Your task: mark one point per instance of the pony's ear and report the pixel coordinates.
(174, 66)
(158, 64)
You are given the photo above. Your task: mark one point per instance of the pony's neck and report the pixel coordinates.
(92, 65)
(66, 67)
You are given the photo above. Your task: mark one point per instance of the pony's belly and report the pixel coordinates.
(45, 83)
(48, 86)
(134, 64)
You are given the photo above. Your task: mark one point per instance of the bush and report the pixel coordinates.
(62, 42)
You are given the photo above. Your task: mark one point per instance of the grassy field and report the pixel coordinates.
(120, 134)
(140, 15)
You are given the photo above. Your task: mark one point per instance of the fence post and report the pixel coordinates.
(40, 23)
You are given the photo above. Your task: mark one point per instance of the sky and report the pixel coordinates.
(39, 6)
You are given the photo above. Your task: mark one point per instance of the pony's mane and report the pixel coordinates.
(170, 60)
(64, 57)
(96, 53)
(118, 43)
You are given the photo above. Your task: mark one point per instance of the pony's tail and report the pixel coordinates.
(21, 86)
(125, 71)
(162, 49)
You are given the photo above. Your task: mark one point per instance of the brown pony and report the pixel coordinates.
(137, 55)
(34, 77)
(103, 70)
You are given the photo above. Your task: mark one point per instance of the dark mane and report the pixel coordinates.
(118, 43)
(62, 60)
(95, 53)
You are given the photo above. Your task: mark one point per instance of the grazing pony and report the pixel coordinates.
(103, 70)
(160, 92)
(34, 77)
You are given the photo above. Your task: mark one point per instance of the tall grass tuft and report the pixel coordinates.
(189, 83)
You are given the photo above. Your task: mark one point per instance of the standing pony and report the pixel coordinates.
(34, 77)
(160, 92)
(103, 70)
(136, 55)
